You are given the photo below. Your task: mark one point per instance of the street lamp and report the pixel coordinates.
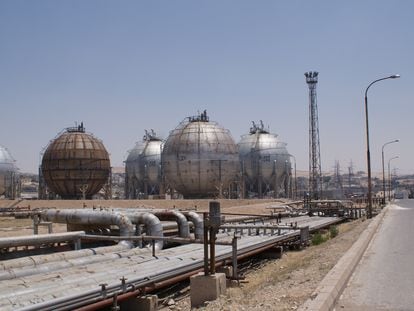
(389, 178)
(369, 210)
(275, 171)
(383, 169)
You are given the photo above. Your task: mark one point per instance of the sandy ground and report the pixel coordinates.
(199, 205)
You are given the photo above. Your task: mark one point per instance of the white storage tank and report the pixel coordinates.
(265, 162)
(8, 173)
(200, 158)
(143, 167)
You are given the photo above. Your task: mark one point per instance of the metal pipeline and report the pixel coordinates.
(87, 217)
(198, 224)
(32, 240)
(164, 215)
(31, 261)
(48, 266)
(152, 224)
(183, 227)
(125, 221)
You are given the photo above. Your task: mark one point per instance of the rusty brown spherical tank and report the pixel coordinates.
(76, 164)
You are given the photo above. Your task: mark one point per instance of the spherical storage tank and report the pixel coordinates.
(143, 167)
(265, 161)
(200, 158)
(8, 170)
(75, 164)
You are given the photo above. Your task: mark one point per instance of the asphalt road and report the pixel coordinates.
(384, 278)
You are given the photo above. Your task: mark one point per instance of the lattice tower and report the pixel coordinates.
(315, 172)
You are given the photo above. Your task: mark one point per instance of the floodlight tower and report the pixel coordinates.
(315, 172)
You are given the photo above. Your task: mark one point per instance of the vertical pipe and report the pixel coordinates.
(205, 240)
(234, 257)
(212, 250)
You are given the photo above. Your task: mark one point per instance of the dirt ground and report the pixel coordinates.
(199, 205)
(283, 284)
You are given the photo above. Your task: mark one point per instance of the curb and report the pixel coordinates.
(332, 285)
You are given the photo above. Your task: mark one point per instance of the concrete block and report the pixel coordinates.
(143, 303)
(206, 288)
(227, 270)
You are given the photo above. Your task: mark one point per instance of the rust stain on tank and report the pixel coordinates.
(75, 162)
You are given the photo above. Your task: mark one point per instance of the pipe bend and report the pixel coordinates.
(88, 217)
(183, 226)
(198, 224)
(152, 223)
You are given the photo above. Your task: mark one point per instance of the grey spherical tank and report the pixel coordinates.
(75, 164)
(8, 170)
(200, 158)
(143, 167)
(265, 161)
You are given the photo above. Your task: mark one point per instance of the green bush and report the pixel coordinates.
(333, 231)
(318, 238)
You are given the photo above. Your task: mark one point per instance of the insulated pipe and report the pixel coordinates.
(125, 222)
(183, 227)
(198, 224)
(31, 261)
(87, 217)
(152, 223)
(22, 267)
(165, 215)
(31, 240)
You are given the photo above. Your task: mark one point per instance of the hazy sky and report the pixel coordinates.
(125, 66)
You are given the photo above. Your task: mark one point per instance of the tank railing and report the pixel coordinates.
(76, 129)
(201, 117)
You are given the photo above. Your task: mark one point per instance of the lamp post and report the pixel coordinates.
(383, 169)
(369, 209)
(275, 171)
(288, 182)
(389, 177)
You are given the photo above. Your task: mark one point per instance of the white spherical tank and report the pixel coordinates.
(265, 161)
(8, 170)
(200, 158)
(143, 167)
